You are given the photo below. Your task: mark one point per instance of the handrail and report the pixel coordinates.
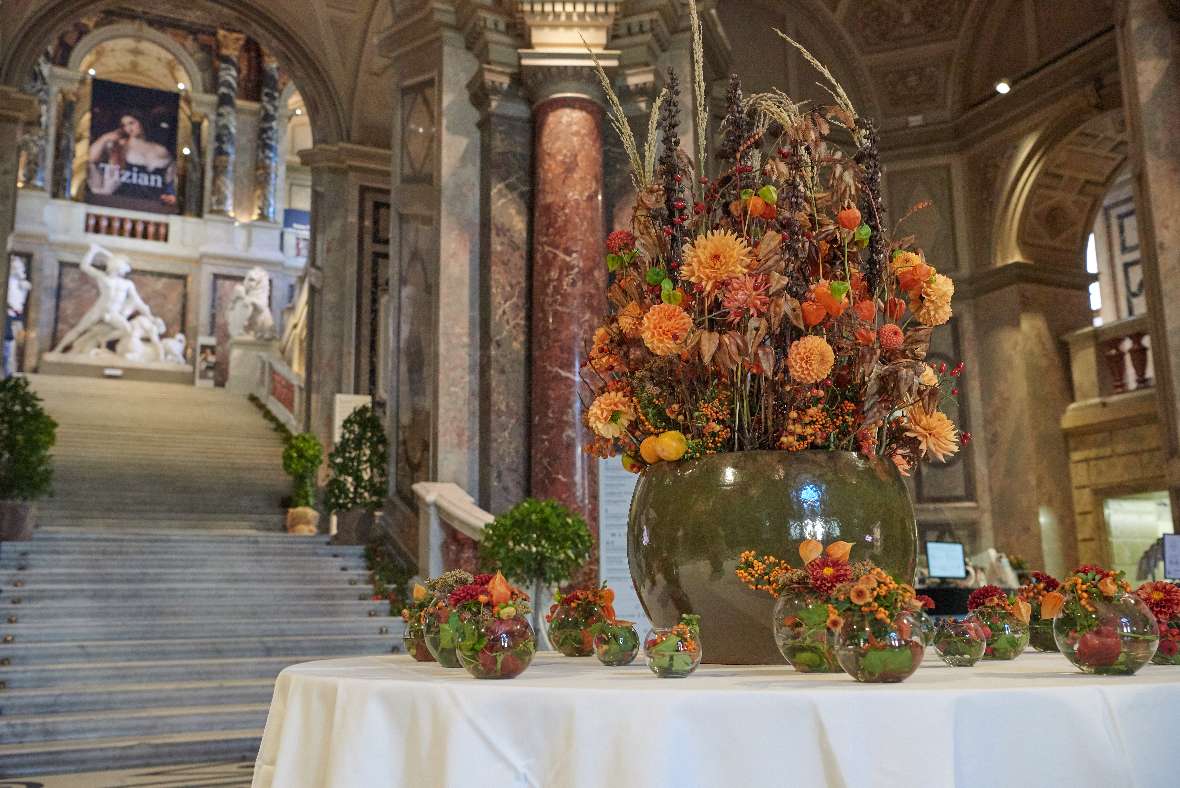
(444, 502)
(1111, 359)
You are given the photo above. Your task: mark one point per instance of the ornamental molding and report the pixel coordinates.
(1022, 273)
(498, 91)
(229, 42)
(555, 74)
(567, 24)
(16, 106)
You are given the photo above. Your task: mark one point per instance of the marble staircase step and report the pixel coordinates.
(87, 629)
(57, 757)
(26, 655)
(136, 722)
(103, 697)
(165, 610)
(101, 594)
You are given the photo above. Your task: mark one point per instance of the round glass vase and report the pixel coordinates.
(670, 655)
(616, 643)
(503, 649)
(1115, 638)
(1040, 633)
(959, 644)
(1168, 652)
(1006, 635)
(441, 638)
(801, 632)
(414, 641)
(571, 631)
(927, 627)
(876, 651)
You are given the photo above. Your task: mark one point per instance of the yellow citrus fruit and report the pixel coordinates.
(671, 445)
(631, 464)
(648, 451)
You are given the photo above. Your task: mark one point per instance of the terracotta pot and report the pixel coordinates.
(354, 526)
(303, 521)
(16, 520)
(690, 521)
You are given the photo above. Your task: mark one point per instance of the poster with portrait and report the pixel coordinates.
(131, 161)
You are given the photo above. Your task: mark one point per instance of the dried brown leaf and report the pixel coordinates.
(709, 342)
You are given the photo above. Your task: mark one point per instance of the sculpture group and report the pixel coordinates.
(119, 323)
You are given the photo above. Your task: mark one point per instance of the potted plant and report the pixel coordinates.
(538, 544)
(302, 457)
(359, 464)
(763, 361)
(27, 433)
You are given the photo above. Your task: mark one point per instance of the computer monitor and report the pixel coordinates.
(1172, 556)
(945, 560)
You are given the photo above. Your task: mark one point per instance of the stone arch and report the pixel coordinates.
(102, 35)
(325, 106)
(1058, 186)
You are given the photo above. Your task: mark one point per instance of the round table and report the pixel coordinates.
(1035, 721)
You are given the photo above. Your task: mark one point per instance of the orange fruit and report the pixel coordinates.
(671, 445)
(756, 206)
(813, 314)
(647, 450)
(849, 218)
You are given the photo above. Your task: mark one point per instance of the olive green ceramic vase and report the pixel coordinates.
(690, 521)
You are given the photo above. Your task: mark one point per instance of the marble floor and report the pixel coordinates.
(205, 775)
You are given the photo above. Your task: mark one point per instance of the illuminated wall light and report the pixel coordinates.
(299, 110)
(91, 71)
(1003, 86)
(186, 150)
(181, 86)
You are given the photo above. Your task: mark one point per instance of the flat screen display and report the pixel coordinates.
(1172, 556)
(945, 559)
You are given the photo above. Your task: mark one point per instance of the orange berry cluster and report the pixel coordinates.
(761, 574)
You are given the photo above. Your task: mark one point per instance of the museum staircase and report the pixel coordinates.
(145, 622)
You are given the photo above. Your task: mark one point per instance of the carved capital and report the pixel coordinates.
(497, 91)
(555, 73)
(490, 31)
(563, 24)
(229, 43)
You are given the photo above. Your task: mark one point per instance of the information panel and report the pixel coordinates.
(615, 486)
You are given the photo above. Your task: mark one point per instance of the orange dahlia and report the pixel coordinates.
(664, 329)
(936, 434)
(935, 306)
(610, 413)
(630, 320)
(714, 258)
(810, 359)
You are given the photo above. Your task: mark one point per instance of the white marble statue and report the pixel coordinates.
(248, 314)
(118, 300)
(14, 314)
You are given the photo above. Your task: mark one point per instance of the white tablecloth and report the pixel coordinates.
(1035, 721)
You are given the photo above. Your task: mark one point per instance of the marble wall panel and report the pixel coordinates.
(417, 285)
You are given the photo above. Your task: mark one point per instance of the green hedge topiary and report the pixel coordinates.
(302, 457)
(536, 543)
(27, 433)
(359, 463)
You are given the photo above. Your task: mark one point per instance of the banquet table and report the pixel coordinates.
(1034, 721)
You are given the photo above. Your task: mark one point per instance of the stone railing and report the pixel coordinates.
(1111, 359)
(450, 525)
(280, 389)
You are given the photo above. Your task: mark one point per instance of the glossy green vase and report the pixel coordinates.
(690, 521)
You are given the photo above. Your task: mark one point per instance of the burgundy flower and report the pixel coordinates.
(468, 593)
(980, 596)
(827, 573)
(925, 601)
(1168, 647)
(482, 580)
(1048, 581)
(1090, 569)
(620, 241)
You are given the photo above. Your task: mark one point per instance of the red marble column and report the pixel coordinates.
(568, 296)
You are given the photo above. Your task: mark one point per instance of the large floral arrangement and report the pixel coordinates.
(768, 306)
(1100, 626)
(1163, 598)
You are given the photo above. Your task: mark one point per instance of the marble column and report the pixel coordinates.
(568, 294)
(16, 109)
(225, 130)
(194, 182)
(1149, 60)
(36, 134)
(266, 155)
(506, 196)
(63, 155)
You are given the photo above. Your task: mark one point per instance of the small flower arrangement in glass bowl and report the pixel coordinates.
(878, 639)
(574, 617)
(960, 643)
(414, 638)
(494, 638)
(802, 610)
(1040, 630)
(1163, 599)
(1099, 625)
(616, 642)
(437, 627)
(674, 652)
(1004, 620)
(929, 628)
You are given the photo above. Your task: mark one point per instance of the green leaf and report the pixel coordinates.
(673, 297)
(862, 234)
(614, 262)
(887, 660)
(769, 194)
(814, 615)
(666, 646)
(656, 275)
(666, 286)
(839, 289)
(747, 194)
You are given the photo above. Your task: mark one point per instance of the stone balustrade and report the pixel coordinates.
(1111, 359)
(450, 525)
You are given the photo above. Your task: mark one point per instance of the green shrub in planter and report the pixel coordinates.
(302, 458)
(27, 433)
(359, 464)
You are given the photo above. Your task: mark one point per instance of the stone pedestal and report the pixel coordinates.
(568, 295)
(245, 363)
(1149, 60)
(108, 365)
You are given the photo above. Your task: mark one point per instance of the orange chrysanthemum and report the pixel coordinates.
(610, 413)
(714, 258)
(935, 306)
(936, 434)
(810, 359)
(664, 329)
(891, 336)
